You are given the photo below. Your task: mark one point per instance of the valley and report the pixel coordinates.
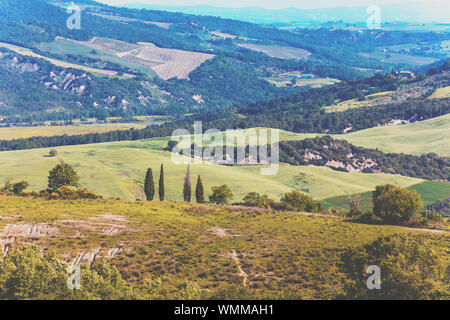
(97, 102)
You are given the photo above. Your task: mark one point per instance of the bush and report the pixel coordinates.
(14, 188)
(221, 195)
(26, 274)
(396, 205)
(254, 199)
(298, 201)
(53, 153)
(20, 187)
(410, 269)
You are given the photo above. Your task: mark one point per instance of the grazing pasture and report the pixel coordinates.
(117, 169)
(273, 254)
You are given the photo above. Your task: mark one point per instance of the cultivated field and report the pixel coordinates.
(166, 63)
(117, 168)
(286, 254)
(48, 131)
(173, 63)
(400, 58)
(28, 52)
(278, 51)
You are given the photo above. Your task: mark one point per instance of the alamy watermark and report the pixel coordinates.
(74, 20)
(74, 279)
(374, 19)
(240, 147)
(374, 281)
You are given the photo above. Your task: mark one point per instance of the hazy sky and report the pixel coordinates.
(278, 4)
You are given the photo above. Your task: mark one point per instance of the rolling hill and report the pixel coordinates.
(118, 169)
(274, 255)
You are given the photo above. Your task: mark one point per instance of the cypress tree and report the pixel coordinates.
(187, 186)
(161, 184)
(149, 185)
(199, 191)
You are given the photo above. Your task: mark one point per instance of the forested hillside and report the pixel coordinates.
(235, 75)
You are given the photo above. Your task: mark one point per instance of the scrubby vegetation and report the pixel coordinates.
(410, 270)
(284, 255)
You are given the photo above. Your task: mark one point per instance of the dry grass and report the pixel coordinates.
(273, 253)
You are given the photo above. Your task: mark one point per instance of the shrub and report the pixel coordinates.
(26, 274)
(20, 187)
(410, 269)
(396, 205)
(298, 201)
(53, 153)
(221, 195)
(254, 199)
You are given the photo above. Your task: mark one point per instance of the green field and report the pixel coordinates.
(399, 58)
(315, 82)
(418, 138)
(370, 101)
(64, 47)
(430, 191)
(212, 246)
(117, 169)
(440, 93)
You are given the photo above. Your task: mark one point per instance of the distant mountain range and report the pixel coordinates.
(404, 12)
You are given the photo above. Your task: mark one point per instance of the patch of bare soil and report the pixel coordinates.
(29, 230)
(86, 257)
(242, 274)
(222, 233)
(109, 217)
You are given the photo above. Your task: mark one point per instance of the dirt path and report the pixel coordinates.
(242, 274)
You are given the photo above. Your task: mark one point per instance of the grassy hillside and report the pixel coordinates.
(213, 246)
(117, 170)
(427, 136)
(441, 93)
(28, 52)
(430, 191)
